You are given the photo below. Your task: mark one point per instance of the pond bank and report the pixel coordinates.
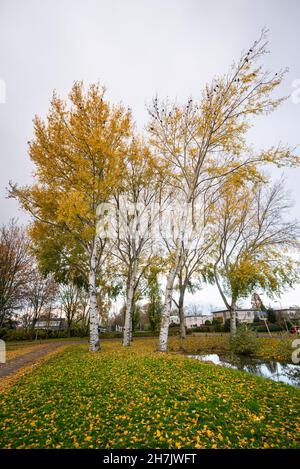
(281, 372)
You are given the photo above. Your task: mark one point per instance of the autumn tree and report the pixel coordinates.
(203, 141)
(78, 153)
(16, 264)
(70, 301)
(257, 302)
(41, 293)
(254, 243)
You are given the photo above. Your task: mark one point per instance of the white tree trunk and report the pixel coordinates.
(232, 321)
(166, 312)
(131, 323)
(129, 308)
(94, 313)
(167, 308)
(181, 312)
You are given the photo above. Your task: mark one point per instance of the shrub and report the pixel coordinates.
(78, 331)
(3, 333)
(244, 342)
(199, 329)
(217, 321)
(28, 334)
(60, 334)
(271, 315)
(227, 325)
(144, 334)
(111, 335)
(219, 328)
(18, 334)
(272, 328)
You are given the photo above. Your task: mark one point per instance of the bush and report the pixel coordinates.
(219, 328)
(18, 334)
(144, 334)
(27, 334)
(244, 342)
(271, 315)
(217, 321)
(110, 335)
(227, 325)
(78, 331)
(200, 329)
(272, 328)
(3, 333)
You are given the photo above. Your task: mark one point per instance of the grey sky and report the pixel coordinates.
(137, 48)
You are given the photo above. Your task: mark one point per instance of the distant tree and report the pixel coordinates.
(117, 319)
(70, 300)
(153, 293)
(41, 294)
(16, 265)
(257, 302)
(253, 243)
(136, 316)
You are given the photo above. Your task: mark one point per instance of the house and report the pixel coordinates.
(242, 315)
(54, 324)
(191, 321)
(174, 320)
(196, 321)
(287, 313)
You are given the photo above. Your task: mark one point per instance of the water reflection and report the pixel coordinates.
(283, 372)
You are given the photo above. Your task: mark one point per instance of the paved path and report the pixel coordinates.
(30, 358)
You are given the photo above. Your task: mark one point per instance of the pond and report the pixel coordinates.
(283, 372)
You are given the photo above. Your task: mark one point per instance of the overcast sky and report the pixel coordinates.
(137, 48)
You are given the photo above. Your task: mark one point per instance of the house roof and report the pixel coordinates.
(45, 319)
(197, 315)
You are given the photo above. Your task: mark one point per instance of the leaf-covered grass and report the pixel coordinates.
(137, 398)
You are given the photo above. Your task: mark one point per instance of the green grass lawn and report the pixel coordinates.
(137, 398)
